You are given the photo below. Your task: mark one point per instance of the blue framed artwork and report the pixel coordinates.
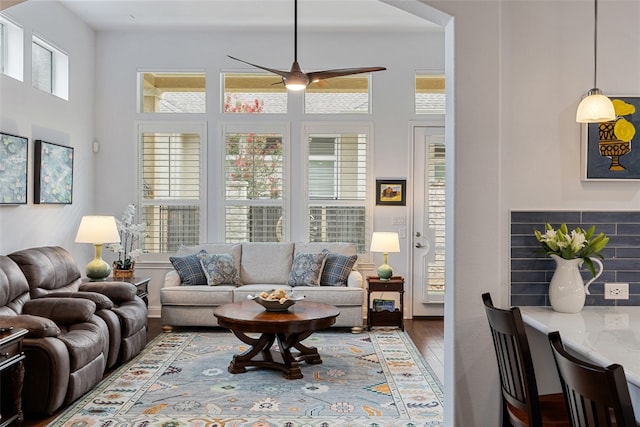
(13, 169)
(611, 150)
(53, 170)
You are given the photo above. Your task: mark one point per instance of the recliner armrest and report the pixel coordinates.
(102, 302)
(38, 327)
(117, 292)
(63, 311)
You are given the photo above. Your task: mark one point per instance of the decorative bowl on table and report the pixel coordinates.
(274, 304)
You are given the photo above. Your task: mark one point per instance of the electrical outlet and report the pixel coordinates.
(616, 291)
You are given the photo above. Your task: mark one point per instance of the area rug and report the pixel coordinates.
(370, 379)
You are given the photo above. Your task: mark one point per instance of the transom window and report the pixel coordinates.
(175, 92)
(253, 93)
(11, 49)
(339, 95)
(49, 68)
(430, 95)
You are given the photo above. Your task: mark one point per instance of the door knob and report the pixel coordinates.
(419, 245)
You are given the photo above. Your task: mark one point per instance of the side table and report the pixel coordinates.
(385, 318)
(11, 376)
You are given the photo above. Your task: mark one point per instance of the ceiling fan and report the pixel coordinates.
(295, 78)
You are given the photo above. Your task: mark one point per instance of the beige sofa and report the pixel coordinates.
(261, 267)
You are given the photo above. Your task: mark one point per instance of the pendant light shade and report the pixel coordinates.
(595, 107)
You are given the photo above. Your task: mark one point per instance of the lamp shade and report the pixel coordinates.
(385, 241)
(98, 230)
(595, 108)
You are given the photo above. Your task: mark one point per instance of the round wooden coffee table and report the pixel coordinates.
(289, 328)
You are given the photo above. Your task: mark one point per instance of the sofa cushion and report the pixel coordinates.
(337, 269)
(189, 269)
(219, 269)
(198, 296)
(337, 296)
(306, 269)
(266, 262)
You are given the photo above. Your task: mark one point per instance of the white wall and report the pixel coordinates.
(32, 113)
(521, 68)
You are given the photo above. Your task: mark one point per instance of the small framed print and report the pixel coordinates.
(53, 170)
(13, 169)
(392, 192)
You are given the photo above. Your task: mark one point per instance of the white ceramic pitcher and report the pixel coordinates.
(567, 291)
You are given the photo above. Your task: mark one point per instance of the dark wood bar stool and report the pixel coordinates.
(595, 395)
(521, 404)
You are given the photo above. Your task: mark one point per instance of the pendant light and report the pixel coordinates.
(595, 107)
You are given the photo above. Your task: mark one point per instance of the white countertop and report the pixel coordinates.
(604, 335)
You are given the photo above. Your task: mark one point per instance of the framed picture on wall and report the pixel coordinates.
(53, 173)
(611, 150)
(14, 159)
(391, 192)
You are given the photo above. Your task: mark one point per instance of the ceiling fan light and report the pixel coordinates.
(295, 86)
(595, 108)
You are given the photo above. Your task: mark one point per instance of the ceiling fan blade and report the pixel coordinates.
(327, 74)
(271, 70)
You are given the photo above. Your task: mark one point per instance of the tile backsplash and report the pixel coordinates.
(531, 271)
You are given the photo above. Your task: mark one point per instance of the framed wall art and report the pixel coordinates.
(53, 173)
(391, 192)
(14, 159)
(611, 150)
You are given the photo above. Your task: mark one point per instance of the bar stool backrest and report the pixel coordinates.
(595, 395)
(517, 376)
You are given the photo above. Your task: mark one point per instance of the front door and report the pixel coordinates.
(428, 228)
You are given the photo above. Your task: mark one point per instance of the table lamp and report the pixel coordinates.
(98, 230)
(385, 242)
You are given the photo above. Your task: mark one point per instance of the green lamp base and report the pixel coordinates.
(98, 270)
(385, 272)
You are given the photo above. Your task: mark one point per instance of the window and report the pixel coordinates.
(430, 96)
(337, 177)
(177, 92)
(338, 95)
(253, 93)
(171, 184)
(254, 184)
(49, 68)
(11, 49)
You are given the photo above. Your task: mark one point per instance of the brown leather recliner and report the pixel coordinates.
(64, 346)
(52, 271)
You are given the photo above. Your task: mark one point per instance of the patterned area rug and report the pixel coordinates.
(371, 379)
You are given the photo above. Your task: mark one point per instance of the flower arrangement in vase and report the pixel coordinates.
(567, 291)
(128, 250)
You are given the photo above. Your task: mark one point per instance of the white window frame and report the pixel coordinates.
(59, 65)
(199, 127)
(219, 194)
(13, 49)
(310, 128)
(140, 88)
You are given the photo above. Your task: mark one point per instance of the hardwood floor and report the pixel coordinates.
(426, 333)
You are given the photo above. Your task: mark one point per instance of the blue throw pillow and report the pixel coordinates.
(306, 269)
(336, 269)
(220, 269)
(189, 269)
